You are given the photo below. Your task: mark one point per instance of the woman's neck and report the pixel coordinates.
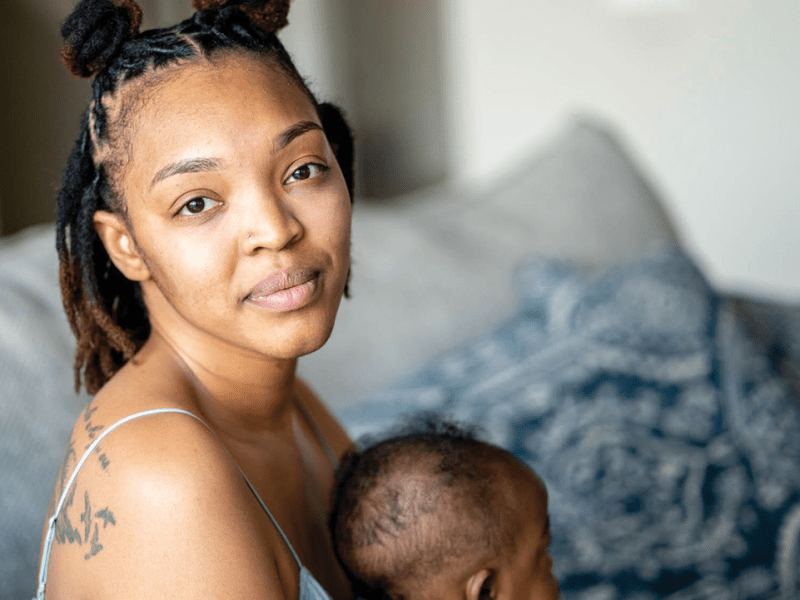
(235, 389)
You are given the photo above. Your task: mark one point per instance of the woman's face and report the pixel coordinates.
(238, 210)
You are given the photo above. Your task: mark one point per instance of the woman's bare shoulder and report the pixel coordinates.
(159, 505)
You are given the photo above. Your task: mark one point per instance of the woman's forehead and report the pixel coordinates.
(228, 85)
(209, 107)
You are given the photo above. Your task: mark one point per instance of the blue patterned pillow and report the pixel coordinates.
(669, 441)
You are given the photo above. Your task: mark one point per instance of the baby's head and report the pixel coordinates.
(436, 513)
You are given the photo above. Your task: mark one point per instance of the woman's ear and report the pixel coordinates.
(482, 585)
(119, 244)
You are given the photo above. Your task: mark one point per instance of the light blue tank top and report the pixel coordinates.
(310, 589)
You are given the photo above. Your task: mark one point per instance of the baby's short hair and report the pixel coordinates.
(408, 503)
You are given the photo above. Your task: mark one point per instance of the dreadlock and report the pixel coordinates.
(102, 39)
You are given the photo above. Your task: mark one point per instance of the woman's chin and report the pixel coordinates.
(313, 345)
(298, 344)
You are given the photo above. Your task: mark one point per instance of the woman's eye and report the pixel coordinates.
(308, 171)
(196, 206)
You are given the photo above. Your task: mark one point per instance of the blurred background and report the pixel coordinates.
(705, 94)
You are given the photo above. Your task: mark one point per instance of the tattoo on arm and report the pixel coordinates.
(90, 520)
(65, 531)
(63, 471)
(92, 430)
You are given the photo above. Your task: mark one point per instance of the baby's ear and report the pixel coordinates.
(119, 245)
(482, 585)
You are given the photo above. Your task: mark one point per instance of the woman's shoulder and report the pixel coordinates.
(158, 502)
(133, 426)
(143, 441)
(141, 436)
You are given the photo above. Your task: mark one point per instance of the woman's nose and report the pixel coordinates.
(271, 226)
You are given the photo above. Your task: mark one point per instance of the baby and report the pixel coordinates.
(435, 513)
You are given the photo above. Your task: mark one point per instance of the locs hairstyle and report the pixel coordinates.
(102, 40)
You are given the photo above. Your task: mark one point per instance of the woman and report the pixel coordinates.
(203, 235)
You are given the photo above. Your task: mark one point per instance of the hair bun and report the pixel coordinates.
(95, 31)
(268, 15)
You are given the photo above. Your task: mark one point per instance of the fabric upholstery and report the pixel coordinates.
(668, 435)
(38, 405)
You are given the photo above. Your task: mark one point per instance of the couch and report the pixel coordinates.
(555, 308)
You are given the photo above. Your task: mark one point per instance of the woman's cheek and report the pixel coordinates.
(343, 224)
(191, 262)
(331, 227)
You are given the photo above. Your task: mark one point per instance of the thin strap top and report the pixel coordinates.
(310, 589)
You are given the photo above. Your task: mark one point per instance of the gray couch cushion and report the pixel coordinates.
(434, 269)
(37, 406)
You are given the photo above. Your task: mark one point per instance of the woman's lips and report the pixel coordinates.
(285, 290)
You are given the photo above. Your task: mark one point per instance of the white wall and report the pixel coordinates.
(707, 96)
(314, 39)
(382, 61)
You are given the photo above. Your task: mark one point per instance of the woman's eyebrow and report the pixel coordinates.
(188, 165)
(287, 136)
(198, 165)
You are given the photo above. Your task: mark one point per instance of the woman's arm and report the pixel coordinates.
(162, 511)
